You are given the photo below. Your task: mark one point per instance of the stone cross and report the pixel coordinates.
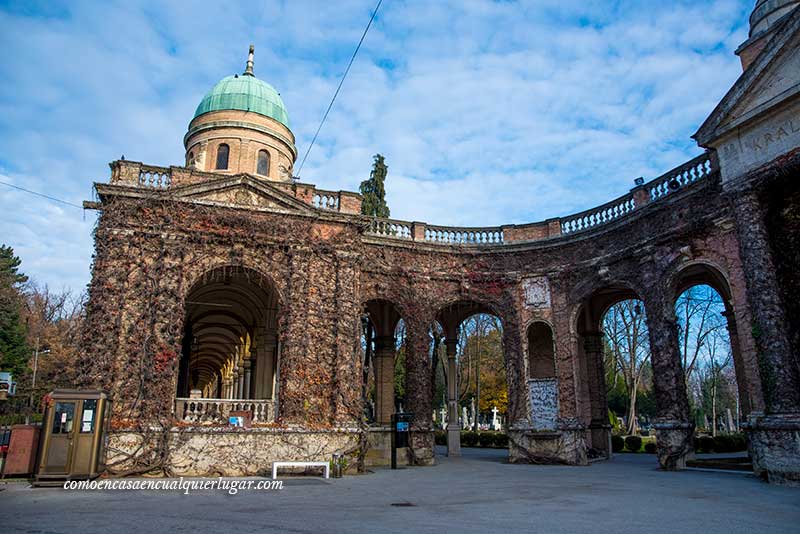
(495, 420)
(472, 415)
(443, 414)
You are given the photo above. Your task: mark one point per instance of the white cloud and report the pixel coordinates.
(487, 112)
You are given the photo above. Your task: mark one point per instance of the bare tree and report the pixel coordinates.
(717, 360)
(699, 310)
(626, 330)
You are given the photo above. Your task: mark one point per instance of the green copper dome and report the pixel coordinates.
(245, 92)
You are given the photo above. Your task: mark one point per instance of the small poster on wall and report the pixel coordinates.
(543, 393)
(236, 420)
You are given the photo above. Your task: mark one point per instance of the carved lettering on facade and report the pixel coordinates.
(543, 394)
(778, 133)
(752, 146)
(537, 292)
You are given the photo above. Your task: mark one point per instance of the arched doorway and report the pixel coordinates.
(599, 364)
(382, 342)
(702, 294)
(718, 373)
(230, 352)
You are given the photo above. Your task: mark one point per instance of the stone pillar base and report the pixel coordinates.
(674, 440)
(421, 450)
(774, 445)
(600, 434)
(379, 453)
(453, 440)
(566, 446)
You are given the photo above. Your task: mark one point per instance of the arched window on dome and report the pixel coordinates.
(222, 156)
(262, 167)
(190, 159)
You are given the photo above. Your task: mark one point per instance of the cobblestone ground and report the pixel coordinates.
(475, 493)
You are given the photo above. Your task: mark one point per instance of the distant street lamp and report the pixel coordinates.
(33, 379)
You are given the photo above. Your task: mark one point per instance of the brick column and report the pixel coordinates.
(599, 426)
(418, 387)
(641, 196)
(418, 231)
(779, 372)
(774, 443)
(674, 428)
(453, 428)
(384, 379)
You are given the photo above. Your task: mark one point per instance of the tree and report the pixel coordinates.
(481, 366)
(373, 191)
(699, 310)
(704, 339)
(13, 347)
(629, 348)
(715, 382)
(54, 322)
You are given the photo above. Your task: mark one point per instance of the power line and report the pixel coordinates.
(54, 199)
(375, 12)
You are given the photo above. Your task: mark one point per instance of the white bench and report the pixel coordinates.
(276, 465)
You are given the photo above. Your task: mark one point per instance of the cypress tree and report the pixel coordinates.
(373, 190)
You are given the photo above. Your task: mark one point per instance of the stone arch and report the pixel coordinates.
(592, 394)
(230, 345)
(219, 270)
(450, 316)
(383, 316)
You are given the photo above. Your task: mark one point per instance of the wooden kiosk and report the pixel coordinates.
(73, 432)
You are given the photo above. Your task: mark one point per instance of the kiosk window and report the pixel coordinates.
(89, 415)
(65, 413)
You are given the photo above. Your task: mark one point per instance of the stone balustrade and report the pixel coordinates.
(464, 236)
(391, 228)
(599, 215)
(677, 179)
(326, 200)
(156, 177)
(137, 174)
(215, 411)
(163, 178)
(680, 177)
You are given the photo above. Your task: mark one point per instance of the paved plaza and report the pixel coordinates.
(476, 493)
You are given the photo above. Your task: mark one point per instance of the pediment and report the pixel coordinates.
(779, 81)
(773, 78)
(242, 191)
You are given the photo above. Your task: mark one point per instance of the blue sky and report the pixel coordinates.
(487, 112)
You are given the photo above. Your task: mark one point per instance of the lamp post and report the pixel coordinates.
(33, 379)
